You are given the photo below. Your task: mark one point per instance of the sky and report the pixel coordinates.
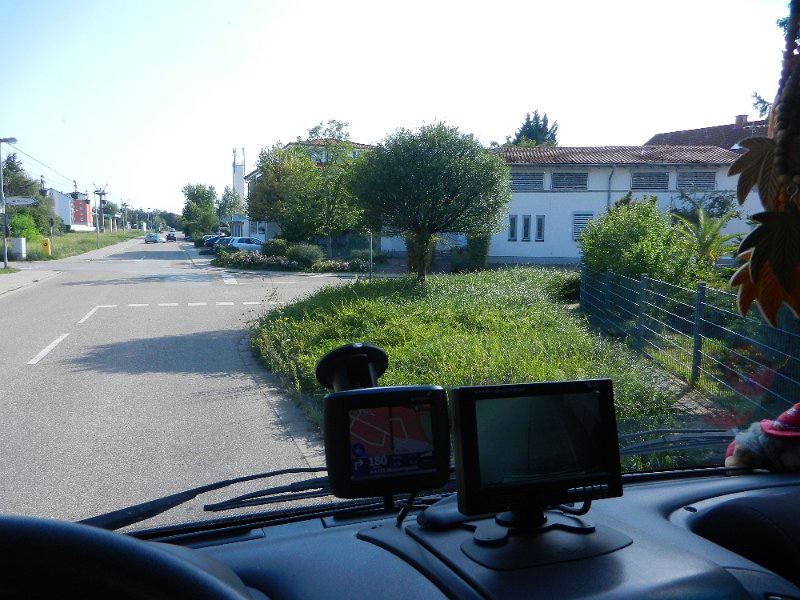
(142, 97)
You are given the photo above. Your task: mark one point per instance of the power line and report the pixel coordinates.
(67, 180)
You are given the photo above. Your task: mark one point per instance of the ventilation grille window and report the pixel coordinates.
(527, 182)
(570, 181)
(649, 181)
(697, 180)
(579, 221)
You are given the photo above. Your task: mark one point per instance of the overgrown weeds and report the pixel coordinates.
(488, 327)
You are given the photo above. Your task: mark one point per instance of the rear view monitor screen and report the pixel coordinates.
(521, 440)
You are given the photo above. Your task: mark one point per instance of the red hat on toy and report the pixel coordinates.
(786, 425)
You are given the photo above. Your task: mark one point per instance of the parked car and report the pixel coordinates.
(222, 242)
(211, 240)
(245, 244)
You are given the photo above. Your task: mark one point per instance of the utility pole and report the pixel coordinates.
(124, 207)
(102, 193)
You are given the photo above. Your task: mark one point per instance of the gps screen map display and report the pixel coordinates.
(391, 440)
(386, 440)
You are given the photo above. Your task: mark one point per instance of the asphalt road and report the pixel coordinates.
(126, 376)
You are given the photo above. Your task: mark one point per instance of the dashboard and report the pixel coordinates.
(667, 538)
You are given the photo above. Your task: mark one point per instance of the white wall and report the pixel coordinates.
(605, 185)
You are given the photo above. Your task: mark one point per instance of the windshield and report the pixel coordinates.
(203, 200)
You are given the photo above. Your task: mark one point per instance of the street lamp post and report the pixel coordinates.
(8, 140)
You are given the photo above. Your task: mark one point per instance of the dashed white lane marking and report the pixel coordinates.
(88, 315)
(47, 350)
(229, 280)
(91, 313)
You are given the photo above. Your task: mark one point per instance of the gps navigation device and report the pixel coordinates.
(386, 440)
(523, 448)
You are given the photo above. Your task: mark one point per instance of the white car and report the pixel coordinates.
(155, 238)
(244, 244)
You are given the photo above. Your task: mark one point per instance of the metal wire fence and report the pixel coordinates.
(740, 364)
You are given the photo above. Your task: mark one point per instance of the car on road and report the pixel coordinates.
(155, 238)
(171, 236)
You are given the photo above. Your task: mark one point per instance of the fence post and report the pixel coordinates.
(699, 315)
(640, 310)
(583, 291)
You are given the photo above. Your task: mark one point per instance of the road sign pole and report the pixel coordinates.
(5, 214)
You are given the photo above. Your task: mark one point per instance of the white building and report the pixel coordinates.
(556, 191)
(73, 208)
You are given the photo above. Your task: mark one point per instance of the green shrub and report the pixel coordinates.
(251, 260)
(478, 251)
(363, 254)
(23, 226)
(635, 238)
(459, 260)
(275, 247)
(304, 255)
(330, 266)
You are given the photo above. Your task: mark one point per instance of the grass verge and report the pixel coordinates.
(74, 243)
(489, 327)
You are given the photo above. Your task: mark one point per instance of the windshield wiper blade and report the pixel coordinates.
(292, 491)
(141, 512)
(675, 439)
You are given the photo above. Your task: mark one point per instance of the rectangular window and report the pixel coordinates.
(649, 180)
(539, 228)
(697, 180)
(579, 221)
(527, 182)
(512, 228)
(570, 181)
(526, 228)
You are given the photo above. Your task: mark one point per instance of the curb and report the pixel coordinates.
(40, 276)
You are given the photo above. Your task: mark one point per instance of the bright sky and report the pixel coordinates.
(145, 96)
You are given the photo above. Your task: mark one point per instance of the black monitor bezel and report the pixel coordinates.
(477, 499)
(336, 408)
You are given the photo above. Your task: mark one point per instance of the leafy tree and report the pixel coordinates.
(23, 226)
(230, 203)
(198, 210)
(635, 238)
(709, 241)
(338, 212)
(534, 131)
(288, 180)
(761, 105)
(430, 181)
(715, 204)
(16, 182)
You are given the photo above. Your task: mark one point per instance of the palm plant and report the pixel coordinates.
(710, 242)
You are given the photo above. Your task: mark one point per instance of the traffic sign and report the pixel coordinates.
(19, 201)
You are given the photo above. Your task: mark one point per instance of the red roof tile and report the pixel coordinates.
(724, 136)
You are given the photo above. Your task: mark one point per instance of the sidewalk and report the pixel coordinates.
(23, 278)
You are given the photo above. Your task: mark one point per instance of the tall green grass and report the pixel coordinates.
(74, 243)
(488, 327)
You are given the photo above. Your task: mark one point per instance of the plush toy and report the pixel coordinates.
(773, 445)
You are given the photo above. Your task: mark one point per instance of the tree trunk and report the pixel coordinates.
(419, 247)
